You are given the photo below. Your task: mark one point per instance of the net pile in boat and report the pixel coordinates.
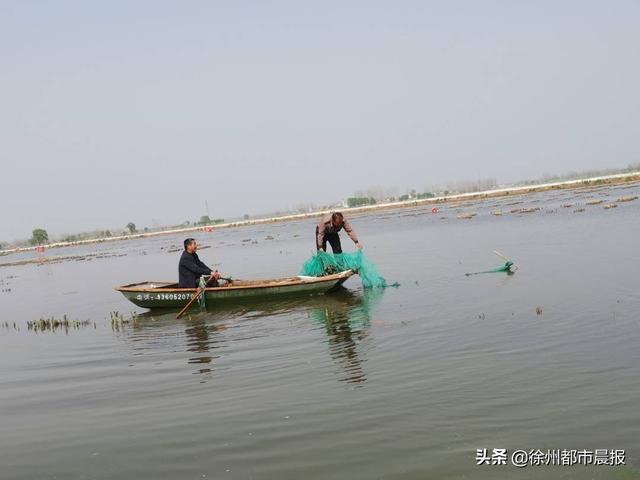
(323, 263)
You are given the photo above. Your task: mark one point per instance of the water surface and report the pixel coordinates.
(404, 383)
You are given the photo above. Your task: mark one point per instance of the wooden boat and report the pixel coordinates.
(168, 295)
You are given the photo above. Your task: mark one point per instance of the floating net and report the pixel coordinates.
(202, 284)
(323, 263)
(504, 268)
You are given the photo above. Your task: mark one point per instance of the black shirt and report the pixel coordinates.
(190, 270)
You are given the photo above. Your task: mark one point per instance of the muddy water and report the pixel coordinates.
(405, 383)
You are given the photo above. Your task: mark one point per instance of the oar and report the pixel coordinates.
(194, 298)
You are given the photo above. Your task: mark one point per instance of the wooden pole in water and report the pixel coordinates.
(194, 298)
(501, 255)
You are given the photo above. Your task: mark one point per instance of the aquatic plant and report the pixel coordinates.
(119, 321)
(10, 326)
(53, 324)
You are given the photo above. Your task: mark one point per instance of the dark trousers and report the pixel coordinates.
(333, 239)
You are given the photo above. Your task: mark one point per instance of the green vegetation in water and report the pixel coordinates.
(119, 321)
(11, 326)
(53, 324)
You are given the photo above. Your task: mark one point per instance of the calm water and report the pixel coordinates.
(405, 383)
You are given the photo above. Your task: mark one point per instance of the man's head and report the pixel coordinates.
(190, 245)
(337, 219)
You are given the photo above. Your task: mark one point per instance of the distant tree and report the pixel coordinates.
(360, 201)
(216, 221)
(131, 227)
(246, 216)
(39, 236)
(146, 229)
(404, 198)
(107, 233)
(426, 195)
(205, 220)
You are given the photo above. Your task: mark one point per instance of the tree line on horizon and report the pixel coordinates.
(372, 196)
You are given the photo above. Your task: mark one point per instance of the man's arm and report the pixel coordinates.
(320, 236)
(351, 232)
(201, 264)
(211, 271)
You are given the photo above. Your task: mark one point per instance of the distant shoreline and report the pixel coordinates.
(494, 193)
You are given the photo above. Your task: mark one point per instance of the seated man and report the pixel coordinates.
(327, 230)
(191, 268)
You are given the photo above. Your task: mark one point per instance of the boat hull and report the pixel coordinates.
(165, 295)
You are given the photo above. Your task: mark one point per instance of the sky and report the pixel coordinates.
(142, 111)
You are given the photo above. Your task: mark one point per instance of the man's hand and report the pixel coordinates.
(359, 245)
(321, 249)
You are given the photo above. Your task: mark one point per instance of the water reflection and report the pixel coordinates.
(345, 316)
(201, 340)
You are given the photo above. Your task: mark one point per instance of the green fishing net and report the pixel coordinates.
(504, 268)
(202, 285)
(323, 263)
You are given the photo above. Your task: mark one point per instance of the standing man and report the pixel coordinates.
(190, 268)
(327, 231)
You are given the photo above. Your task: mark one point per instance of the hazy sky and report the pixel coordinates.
(113, 112)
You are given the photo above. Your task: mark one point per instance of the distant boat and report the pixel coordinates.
(168, 295)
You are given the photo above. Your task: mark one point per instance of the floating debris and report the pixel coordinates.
(497, 213)
(610, 205)
(567, 205)
(626, 199)
(525, 210)
(595, 202)
(466, 216)
(59, 259)
(579, 210)
(538, 310)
